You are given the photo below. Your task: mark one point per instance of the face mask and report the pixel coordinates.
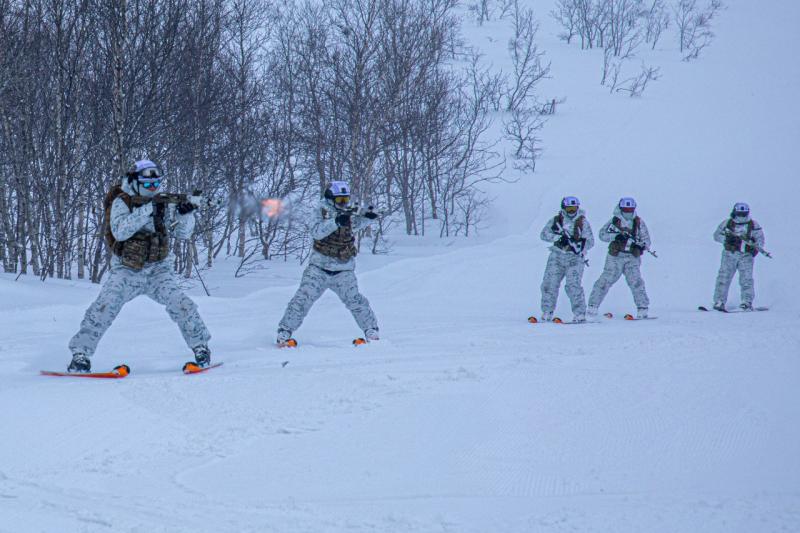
(628, 215)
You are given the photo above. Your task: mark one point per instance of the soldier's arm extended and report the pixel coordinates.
(184, 224)
(125, 222)
(322, 226)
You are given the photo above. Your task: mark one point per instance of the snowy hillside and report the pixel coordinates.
(464, 418)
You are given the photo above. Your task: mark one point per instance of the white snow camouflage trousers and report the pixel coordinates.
(123, 285)
(315, 281)
(615, 267)
(731, 263)
(561, 265)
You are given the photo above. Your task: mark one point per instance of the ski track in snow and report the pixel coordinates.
(464, 418)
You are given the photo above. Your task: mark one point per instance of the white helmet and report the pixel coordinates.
(144, 177)
(627, 207)
(338, 192)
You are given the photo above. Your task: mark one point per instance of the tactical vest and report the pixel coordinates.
(340, 244)
(577, 231)
(615, 246)
(733, 244)
(144, 247)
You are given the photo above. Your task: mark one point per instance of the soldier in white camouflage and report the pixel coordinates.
(137, 230)
(571, 235)
(628, 239)
(332, 264)
(742, 238)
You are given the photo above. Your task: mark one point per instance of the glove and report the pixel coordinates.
(185, 208)
(343, 220)
(622, 238)
(554, 228)
(563, 242)
(372, 215)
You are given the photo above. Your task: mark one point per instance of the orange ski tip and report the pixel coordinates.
(190, 368)
(533, 320)
(122, 370)
(629, 317)
(359, 341)
(608, 315)
(291, 343)
(558, 320)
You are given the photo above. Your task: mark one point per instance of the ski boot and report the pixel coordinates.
(372, 334)
(580, 318)
(80, 364)
(202, 355)
(746, 306)
(591, 314)
(641, 313)
(285, 339)
(719, 306)
(547, 316)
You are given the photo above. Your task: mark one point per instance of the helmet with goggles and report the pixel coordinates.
(570, 205)
(338, 192)
(627, 206)
(740, 210)
(144, 177)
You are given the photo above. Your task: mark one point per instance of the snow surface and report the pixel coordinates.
(464, 418)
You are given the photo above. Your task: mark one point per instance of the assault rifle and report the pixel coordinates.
(749, 242)
(637, 242)
(162, 198)
(572, 243)
(358, 211)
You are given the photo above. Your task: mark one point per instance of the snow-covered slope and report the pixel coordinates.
(464, 418)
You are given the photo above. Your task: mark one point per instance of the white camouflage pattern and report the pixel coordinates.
(340, 276)
(624, 263)
(315, 281)
(156, 280)
(321, 227)
(733, 262)
(563, 265)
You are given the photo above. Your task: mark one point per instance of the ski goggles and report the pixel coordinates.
(627, 209)
(341, 200)
(571, 209)
(150, 184)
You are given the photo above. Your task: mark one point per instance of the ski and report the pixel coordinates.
(191, 367)
(556, 320)
(730, 311)
(359, 341)
(119, 371)
(629, 317)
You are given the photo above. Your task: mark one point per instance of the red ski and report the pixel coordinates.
(193, 368)
(119, 371)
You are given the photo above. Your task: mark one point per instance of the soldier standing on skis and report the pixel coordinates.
(332, 264)
(742, 239)
(137, 232)
(571, 235)
(628, 239)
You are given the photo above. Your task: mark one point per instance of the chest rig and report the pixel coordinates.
(340, 244)
(144, 247)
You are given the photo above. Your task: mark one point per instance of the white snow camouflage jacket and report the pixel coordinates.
(322, 226)
(548, 235)
(609, 232)
(125, 223)
(740, 229)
